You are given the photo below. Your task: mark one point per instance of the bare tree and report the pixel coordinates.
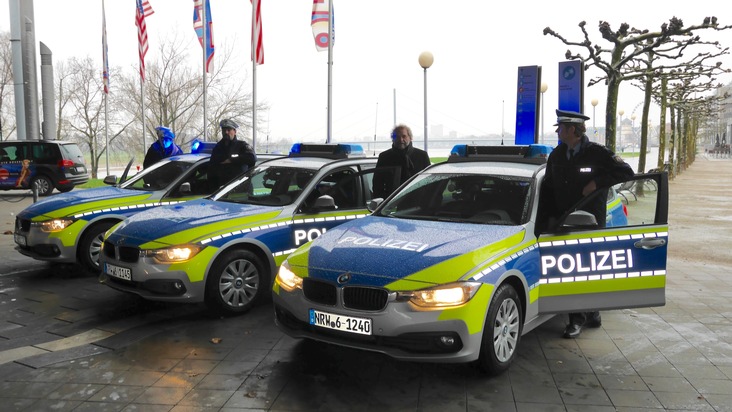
(628, 46)
(7, 106)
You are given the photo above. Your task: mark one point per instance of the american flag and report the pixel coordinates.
(257, 47)
(319, 21)
(143, 9)
(105, 59)
(198, 27)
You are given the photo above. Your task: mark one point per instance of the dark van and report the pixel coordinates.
(43, 164)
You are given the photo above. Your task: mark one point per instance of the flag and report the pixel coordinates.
(105, 59)
(319, 23)
(143, 9)
(198, 27)
(257, 47)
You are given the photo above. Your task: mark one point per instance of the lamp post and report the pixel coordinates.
(425, 60)
(544, 88)
(594, 105)
(620, 129)
(632, 128)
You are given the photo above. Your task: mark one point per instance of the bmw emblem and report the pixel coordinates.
(344, 278)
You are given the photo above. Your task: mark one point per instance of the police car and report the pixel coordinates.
(224, 250)
(452, 268)
(68, 227)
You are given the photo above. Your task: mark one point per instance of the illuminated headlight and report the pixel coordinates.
(287, 279)
(451, 294)
(54, 225)
(173, 254)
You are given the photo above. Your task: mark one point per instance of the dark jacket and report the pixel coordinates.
(241, 156)
(157, 152)
(565, 179)
(408, 162)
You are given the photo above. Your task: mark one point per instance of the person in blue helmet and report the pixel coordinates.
(163, 147)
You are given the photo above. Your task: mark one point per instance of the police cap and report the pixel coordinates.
(228, 124)
(566, 116)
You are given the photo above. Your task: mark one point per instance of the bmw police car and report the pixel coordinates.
(450, 268)
(224, 250)
(68, 227)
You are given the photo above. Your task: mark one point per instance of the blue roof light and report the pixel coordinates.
(532, 151)
(339, 150)
(202, 147)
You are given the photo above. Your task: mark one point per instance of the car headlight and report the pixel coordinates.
(288, 280)
(451, 294)
(173, 254)
(54, 225)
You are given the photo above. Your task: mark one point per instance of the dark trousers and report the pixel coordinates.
(580, 318)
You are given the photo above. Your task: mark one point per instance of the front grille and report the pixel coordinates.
(353, 297)
(127, 254)
(22, 225)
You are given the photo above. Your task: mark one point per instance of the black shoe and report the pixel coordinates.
(572, 330)
(593, 320)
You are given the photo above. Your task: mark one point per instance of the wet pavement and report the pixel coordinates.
(68, 343)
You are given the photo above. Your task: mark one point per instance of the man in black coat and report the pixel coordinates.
(230, 157)
(402, 156)
(576, 168)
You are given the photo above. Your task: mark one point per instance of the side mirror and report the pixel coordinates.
(185, 188)
(325, 202)
(110, 180)
(580, 219)
(374, 203)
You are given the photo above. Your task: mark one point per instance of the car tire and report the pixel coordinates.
(43, 185)
(90, 246)
(235, 283)
(64, 189)
(502, 331)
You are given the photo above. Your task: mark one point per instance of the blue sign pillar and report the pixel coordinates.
(527, 104)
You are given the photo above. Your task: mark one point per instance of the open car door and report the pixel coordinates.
(585, 267)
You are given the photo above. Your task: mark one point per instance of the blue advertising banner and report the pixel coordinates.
(571, 86)
(527, 104)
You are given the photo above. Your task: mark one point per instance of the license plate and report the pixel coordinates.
(350, 324)
(20, 239)
(118, 272)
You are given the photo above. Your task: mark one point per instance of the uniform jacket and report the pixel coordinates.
(157, 152)
(565, 178)
(241, 155)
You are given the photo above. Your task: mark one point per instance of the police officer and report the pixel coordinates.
(403, 156)
(163, 147)
(576, 168)
(230, 157)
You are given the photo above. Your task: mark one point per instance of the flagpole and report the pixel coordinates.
(142, 105)
(204, 48)
(105, 86)
(254, 81)
(330, 68)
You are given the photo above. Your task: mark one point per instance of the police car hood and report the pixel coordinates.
(391, 249)
(189, 221)
(80, 200)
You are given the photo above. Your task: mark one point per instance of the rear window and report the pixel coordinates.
(72, 152)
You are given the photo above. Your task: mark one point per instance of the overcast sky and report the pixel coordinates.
(477, 47)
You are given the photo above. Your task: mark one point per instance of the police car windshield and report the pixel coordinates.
(157, 177)
(269, 186)
(466, 198)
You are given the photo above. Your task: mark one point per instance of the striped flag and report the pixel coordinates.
(105, 59)
(257, 47)
(319, 22)
(198, 27)
(143, 9)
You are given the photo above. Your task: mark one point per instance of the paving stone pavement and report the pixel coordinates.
(677, 357)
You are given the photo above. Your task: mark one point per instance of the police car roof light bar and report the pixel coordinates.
(535, 153)
(202, 147)
(331, 151)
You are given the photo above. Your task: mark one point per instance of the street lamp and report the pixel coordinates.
(544, 88)
(620, 129)
(594, 105)
(425, 60)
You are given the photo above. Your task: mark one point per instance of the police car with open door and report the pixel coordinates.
(224, 250)
(451, 267)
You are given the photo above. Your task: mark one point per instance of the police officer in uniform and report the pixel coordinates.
(230, 157)
(576, 168)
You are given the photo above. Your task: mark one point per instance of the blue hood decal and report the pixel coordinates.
(163, 221)
(77, 198)
(395, 248)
